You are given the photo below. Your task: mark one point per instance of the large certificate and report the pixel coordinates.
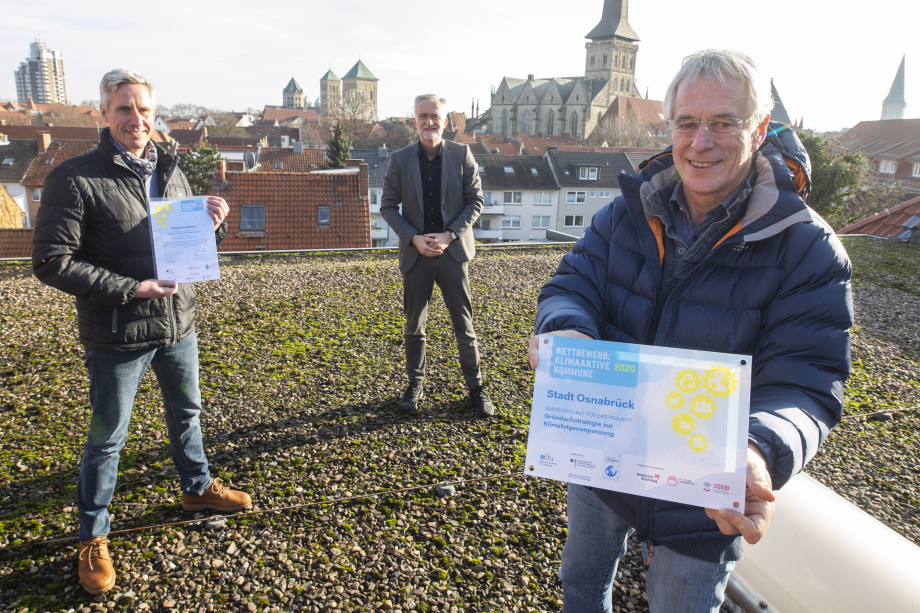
(665, 423)
(184, 246)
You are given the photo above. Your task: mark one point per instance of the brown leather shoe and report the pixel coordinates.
(217, 498)
(96, 572)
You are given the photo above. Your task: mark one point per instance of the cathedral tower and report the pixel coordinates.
(893, 106)
(292, 96)
(330, 93)
(360, 78)
(611, 52)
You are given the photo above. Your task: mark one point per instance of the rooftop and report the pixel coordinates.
(359, 71)
(57, 152)
(902, 221)
(308, 161)
(301, 363)
(567, 165)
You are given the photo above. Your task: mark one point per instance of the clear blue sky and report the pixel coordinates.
(833, 62)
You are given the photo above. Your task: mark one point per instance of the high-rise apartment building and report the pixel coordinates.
(41, 76)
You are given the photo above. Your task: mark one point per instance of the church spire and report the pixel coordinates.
(893, 106)
(613, 22)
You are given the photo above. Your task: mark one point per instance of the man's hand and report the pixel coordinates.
(155, 288)
(533, 351)
(758, 502)
(443, 239)
(427, 246)
(217, 209)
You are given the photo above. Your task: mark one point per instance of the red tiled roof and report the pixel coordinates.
(457, 121)
(610, 149)
(308, 161)
(291, 203)
(890, 140)
(180, 124)
(57, 152)
(536, 145)
(17, 243)
(650, 112)
(283, 115)
(57, 133)
(234, 141)
(889, 222)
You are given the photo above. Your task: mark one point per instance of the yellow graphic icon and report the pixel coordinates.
(161, 213)
(675, 400)
(698, 443)
(702, 407)
(688, 381)
(683, 423)
(720, 381)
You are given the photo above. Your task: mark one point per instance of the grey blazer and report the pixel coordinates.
(461, 200)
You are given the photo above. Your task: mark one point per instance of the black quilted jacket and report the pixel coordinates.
(92, 240)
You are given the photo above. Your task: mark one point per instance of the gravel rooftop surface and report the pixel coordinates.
(301, 362)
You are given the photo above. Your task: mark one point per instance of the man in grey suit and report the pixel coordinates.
(438, 185)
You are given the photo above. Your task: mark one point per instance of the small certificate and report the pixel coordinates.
(664, 423)
(184, 246)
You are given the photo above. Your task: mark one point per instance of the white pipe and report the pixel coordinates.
(823, 554)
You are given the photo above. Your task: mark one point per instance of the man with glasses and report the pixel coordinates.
(710, 247)
(436, 183)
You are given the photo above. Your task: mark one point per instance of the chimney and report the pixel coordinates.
(44, 141)
(382, 152)
(2, 122)
(530, 77)
(298, 147)
(223, 171)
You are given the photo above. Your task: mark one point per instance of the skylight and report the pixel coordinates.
(533, 170)
(8, 161)
(509, 170)
(48, 161)
(277, 165)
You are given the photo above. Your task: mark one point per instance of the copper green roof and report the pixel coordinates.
(613, 22)
(360, 71)
(329, 76)
(292, 87)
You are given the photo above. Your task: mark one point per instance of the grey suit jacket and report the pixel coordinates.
(461, 200)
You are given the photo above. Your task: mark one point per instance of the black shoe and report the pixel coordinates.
(409, 400)
(481, 402)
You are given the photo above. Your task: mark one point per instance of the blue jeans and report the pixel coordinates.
(113, 380)
(597, 539)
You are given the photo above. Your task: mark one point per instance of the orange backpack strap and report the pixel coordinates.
(658, 231)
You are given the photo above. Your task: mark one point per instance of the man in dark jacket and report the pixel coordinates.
(92, 240)
(710, 247)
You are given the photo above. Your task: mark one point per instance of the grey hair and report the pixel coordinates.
(718, 66)
(114, 79)
(432, 98)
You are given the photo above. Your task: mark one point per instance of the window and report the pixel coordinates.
(603, 194)
(605, 59)
(36, 194)
(252, 218)
(540, 221)
(337, 203)
(888, 167)
(49, 161)
(533, 171)
(322, 216)
(512, 197)
(487, 198)
(593, 195)
(592, 60)
(8, 161)
(916, 172)
(575, 197)
(574, 221)
(542, 198)
(589, 173)
(508, 170)
(482, 169)
(373, 196)
(511, 222)
(277, 165)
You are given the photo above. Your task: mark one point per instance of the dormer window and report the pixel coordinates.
(277, 165)
(588, 173)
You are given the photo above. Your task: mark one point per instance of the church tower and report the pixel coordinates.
(893, 106)
(292, 96)
(360, 78)
(330, 93)
(611, 52)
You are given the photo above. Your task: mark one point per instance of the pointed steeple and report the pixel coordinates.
(893, 106)
(779, 112)
(293, 87)
(613, 22)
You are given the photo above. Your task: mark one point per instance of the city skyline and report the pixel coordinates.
(821, 72)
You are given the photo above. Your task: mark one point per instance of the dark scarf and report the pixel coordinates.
(142, 166)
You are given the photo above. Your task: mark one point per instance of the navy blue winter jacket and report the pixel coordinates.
(776, 287)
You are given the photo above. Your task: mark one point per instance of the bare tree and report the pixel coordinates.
(629, 131)
(187, 111)
(69, 116)
(352, 112)
(868, 200)
(225, 124)
(400, 135)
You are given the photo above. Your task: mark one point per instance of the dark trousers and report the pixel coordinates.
(418, 283)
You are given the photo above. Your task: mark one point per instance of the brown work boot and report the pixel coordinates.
(217, 498)
(96, 573)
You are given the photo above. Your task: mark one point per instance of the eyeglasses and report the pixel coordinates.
(717, 127)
